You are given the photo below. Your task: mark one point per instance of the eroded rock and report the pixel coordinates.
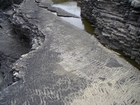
(17, 37)
(4, 4)
(117, 23)
(70, 68)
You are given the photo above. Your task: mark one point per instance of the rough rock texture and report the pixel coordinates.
(70, 67)
(17, 37)
(11, 48)
(6, 77)
(117, 23)
(26, 31)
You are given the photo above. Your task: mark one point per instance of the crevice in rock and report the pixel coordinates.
(117, 24)
(24, 33)
(58, 11)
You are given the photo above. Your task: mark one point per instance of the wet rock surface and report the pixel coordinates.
(117, 24)
(65, 66)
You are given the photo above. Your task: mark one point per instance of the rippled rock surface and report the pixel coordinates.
(117, 23)
(64, 65)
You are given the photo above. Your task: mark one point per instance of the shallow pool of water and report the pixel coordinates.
(73, 7)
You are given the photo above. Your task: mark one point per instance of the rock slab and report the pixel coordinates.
(69, 67)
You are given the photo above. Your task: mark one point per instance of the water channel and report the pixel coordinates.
(73, 7)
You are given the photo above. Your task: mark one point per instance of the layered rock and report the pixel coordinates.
(17, 37)
(117, 23)
(69, 68)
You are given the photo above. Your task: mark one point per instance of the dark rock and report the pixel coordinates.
(17, 1)
(117, 23)
(4, 4)
(0, 26)
(70, 66)
(26, 31)
(17, 37)
(5, 66)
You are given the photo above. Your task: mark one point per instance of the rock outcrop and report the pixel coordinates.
(17, 37)
(67, 66)
(116, 22)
